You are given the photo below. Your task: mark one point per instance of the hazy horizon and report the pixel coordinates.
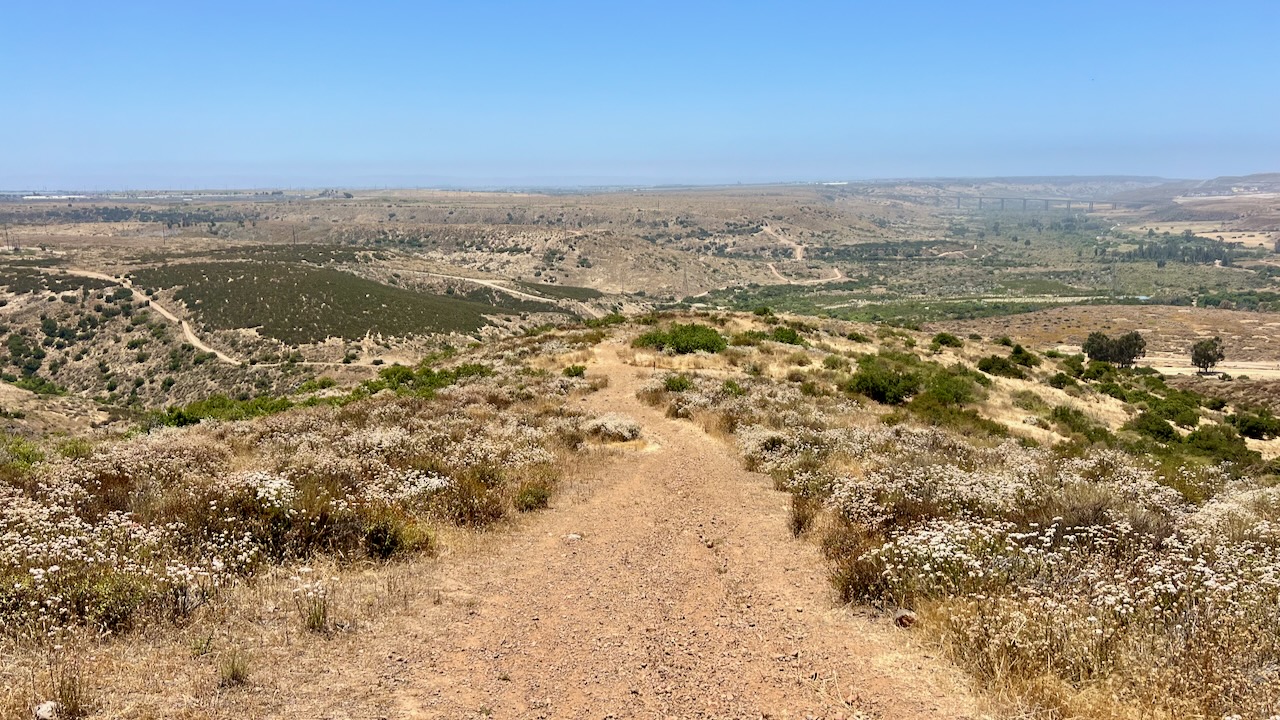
(155, 96)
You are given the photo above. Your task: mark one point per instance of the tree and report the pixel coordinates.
(1122, 351)
(1128, 348)
(1207, 353)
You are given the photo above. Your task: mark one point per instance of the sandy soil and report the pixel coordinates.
(1169, 331)
(666, 585)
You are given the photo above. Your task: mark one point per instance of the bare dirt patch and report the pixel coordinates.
(1169, 331)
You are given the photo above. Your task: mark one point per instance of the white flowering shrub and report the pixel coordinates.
(1050, 574)
(154, 525)
(612, 427)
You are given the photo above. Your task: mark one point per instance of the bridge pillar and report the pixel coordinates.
(1068, 206)
(1024, 204)
(957, 202)
(1090, 206)
(1046, 204)
(979, 202)
(1002, 203)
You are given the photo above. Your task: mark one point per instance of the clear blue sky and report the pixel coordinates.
(101, 95)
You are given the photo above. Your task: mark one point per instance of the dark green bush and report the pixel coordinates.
(880, 381)
(1061, 381)
(1259, 426)
(786, 335)
(1002, 366)
(683, 339)
(1024, 357)
(1154, 427)
(946, 339)
(1222, 443)
(1098, 370)
(575, 371)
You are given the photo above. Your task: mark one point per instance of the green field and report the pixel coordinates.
(298, 304)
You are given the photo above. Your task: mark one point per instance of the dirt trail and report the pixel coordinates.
(814, 281)
(662, 584)
(796, 248)
(673, 590)
(187, 332)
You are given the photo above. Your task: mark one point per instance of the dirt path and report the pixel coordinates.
(187, 332)
(663, 583)
(815, 281)
(796, 248)
(673, 590)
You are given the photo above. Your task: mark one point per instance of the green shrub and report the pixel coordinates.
(930, 410)
(1098, 370)
(732, 388)
(749, 338)
(533, 495)
(320, 383)
(786, 335)
(1002, 366)
(1029, 401)
(855, 336)
(879, 381)
(677, 383)
(683, 339)
(1074, 421)
(1024, 357)
(1074, 365)
(1178, 407)
(949, 389)
(1222, 443)
(1113, 389)
(946, 339)
(1152, 426)
(575, 371)
(835, 362)
(1061, 381)
(1259, 426)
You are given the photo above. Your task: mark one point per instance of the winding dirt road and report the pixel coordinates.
(187, 333)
